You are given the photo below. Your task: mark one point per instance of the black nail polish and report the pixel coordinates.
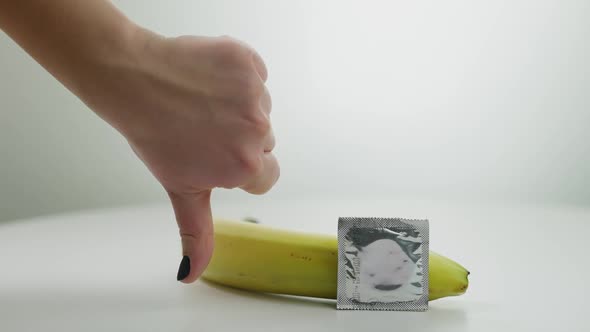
(184, 269)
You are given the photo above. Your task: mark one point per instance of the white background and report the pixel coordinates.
(472, 114)
(450, 99)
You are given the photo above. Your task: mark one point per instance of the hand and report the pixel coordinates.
(194, 109)
(197, 112)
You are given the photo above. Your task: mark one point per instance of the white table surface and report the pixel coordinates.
(115, 269)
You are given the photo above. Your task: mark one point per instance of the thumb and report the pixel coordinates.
(193, 215)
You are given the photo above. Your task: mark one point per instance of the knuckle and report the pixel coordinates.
(249, 163)
(267, 100)
(230, 50)
(251, 88)
(228, 43)
(226, 37)
(260, 123)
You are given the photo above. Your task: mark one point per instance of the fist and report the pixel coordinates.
(207, 123)
(196, 111)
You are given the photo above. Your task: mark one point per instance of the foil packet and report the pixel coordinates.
(382, 264)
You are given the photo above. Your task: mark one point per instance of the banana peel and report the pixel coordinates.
(261, 258)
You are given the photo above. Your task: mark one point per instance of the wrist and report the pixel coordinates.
(107, 62)
(121, 71)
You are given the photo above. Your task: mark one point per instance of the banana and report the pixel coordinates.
(266, 259)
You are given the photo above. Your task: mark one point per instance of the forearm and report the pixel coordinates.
(72, 39)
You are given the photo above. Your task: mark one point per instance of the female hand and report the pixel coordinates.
(194, 109)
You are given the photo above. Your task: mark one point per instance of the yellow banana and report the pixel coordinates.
(266, 259)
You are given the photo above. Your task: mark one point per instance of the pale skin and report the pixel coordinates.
(194, 109)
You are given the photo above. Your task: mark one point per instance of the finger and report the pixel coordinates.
(193, 215)
(266, 178)
(259, 65)
(269, 142)
(266, 101)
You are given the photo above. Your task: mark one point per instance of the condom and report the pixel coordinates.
(382, 264)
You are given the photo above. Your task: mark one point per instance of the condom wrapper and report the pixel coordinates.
(382, 264)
